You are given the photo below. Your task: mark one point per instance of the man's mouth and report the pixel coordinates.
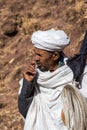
(38, 64)
(42, 68)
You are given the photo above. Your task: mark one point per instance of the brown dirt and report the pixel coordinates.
(18, 19)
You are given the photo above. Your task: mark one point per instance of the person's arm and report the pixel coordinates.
(27, 89)
(25, 97)
(78, 62)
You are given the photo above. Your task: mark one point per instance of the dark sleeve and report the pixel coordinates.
(78, 62)
(26, 96)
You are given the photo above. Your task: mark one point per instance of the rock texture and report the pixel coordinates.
(18, 19)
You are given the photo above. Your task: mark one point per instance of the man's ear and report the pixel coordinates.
(56, 55)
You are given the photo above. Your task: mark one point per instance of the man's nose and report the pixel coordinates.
(37, 58)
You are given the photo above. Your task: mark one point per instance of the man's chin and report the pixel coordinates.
(43, 69)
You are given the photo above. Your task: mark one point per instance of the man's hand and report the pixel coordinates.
(30, 72)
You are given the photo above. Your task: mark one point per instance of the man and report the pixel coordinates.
(39, 99)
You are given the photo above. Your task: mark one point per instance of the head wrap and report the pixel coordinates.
(50, 40)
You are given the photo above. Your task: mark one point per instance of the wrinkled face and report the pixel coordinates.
(45, 60)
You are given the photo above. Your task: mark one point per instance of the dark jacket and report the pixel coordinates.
(25, 97)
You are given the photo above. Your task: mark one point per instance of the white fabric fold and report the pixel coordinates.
(83, 90)
(45, 110)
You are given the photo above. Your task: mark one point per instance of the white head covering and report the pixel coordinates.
(51, 40)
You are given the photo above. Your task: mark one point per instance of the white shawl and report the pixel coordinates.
(45, 110)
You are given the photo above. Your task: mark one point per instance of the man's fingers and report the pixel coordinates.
(33, 64)
(29, 72)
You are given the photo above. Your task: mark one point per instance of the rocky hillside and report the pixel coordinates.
(18, 19)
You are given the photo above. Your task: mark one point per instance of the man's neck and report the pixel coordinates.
(54, 68)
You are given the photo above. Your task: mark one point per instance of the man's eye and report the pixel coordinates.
(39, 54)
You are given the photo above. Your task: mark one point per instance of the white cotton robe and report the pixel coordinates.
(45, 110)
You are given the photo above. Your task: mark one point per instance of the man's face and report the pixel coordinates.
(44, 59)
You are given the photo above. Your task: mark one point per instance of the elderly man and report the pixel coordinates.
(43, 81)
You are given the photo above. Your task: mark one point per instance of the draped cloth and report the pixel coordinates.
(45, 110)
(50, 40)
(75, 108)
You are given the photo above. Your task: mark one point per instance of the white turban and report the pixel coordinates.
(50, 40)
